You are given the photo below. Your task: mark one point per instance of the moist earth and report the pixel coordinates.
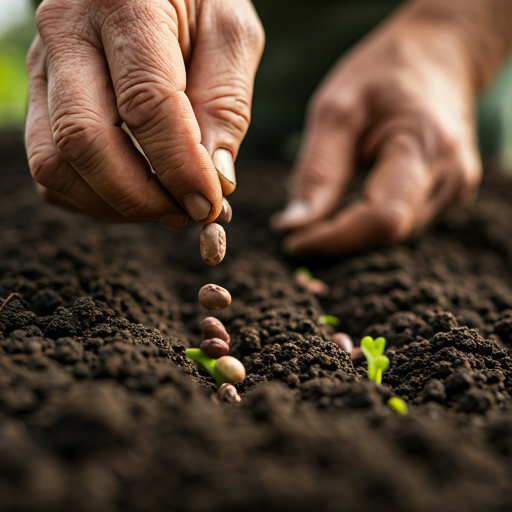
(100, 410)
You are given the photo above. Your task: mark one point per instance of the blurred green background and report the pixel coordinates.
(304, 39)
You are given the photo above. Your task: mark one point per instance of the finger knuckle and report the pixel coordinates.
(243, 30)
(136, 208)
(75, 138)
(394, 223)
(137, 102)
(49, 14)
(334, 109)
(43, 166)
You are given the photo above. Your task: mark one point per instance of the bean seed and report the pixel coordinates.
(228, 393)
(212, 296)
(215, 348)
(343, 341)
(357, 355)
(211, 327)
(226, 213)
(213, 244)
(231, 369)
(318, 287)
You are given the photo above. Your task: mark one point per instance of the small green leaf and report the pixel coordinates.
(367, 343)
(398, 405)
(380, 345)
(305, 270)
(329, 320)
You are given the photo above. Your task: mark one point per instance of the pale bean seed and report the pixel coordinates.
(212, 327)
(213, 244)
(231, 369)
(344, 341)
(215, 297)
(215, 348)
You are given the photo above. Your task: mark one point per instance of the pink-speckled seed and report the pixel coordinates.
(212, 327)
(215, 348)
(214, 297)
(213, 244)
(344, 341)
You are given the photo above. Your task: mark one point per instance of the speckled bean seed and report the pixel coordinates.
(213, 244)
(228, 393)
(215, 348)
(212, 327)
(344, 341)
(215, 297)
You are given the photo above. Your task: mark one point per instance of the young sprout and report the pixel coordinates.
(225, 369)
(374, 353)
(329, 320)
(398, 405)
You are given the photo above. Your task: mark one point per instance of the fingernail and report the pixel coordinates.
(174, 220)
(295, 215)
(197, 207)
(223, 161)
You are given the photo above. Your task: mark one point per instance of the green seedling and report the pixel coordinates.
(329, 320)
(305, 271)
(374, 353)
(225, 369)
(398, 405)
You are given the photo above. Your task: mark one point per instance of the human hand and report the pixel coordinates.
(404, 102)
(178, 72)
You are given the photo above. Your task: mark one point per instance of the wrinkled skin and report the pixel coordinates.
(180, 74)
(403, 103)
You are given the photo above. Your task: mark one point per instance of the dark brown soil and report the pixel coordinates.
(101, 411)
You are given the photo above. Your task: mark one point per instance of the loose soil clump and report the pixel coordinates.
(100, 409)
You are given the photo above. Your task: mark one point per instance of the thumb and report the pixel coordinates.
(325, 164)
(227, 51)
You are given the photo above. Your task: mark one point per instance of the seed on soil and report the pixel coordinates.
(357, 355)
(231, 369)
(344, 341)
(226, 213)
(228, 393)
(318, 287)
(215, 348)
(214, 297)
(212, 327)
(213, 244)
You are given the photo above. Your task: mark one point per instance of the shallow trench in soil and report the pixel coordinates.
(101, 411)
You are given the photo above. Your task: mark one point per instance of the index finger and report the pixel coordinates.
(149, 78)
(394, 193)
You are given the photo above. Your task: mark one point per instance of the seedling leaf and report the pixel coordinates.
(208, 363)
(329, 320)
(398, 405)
(373, 350)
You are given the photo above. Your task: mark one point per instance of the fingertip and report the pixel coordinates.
(296, 215)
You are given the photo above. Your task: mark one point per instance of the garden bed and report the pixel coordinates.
(100, 410)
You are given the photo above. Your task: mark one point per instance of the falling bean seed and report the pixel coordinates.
(343, 341)
(231, 369)
(215, 348)
(226, 213)
(211, 327)
(212, 296)
(228, 393)
(213, 244)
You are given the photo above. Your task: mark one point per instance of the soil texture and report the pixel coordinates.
(100, 410)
